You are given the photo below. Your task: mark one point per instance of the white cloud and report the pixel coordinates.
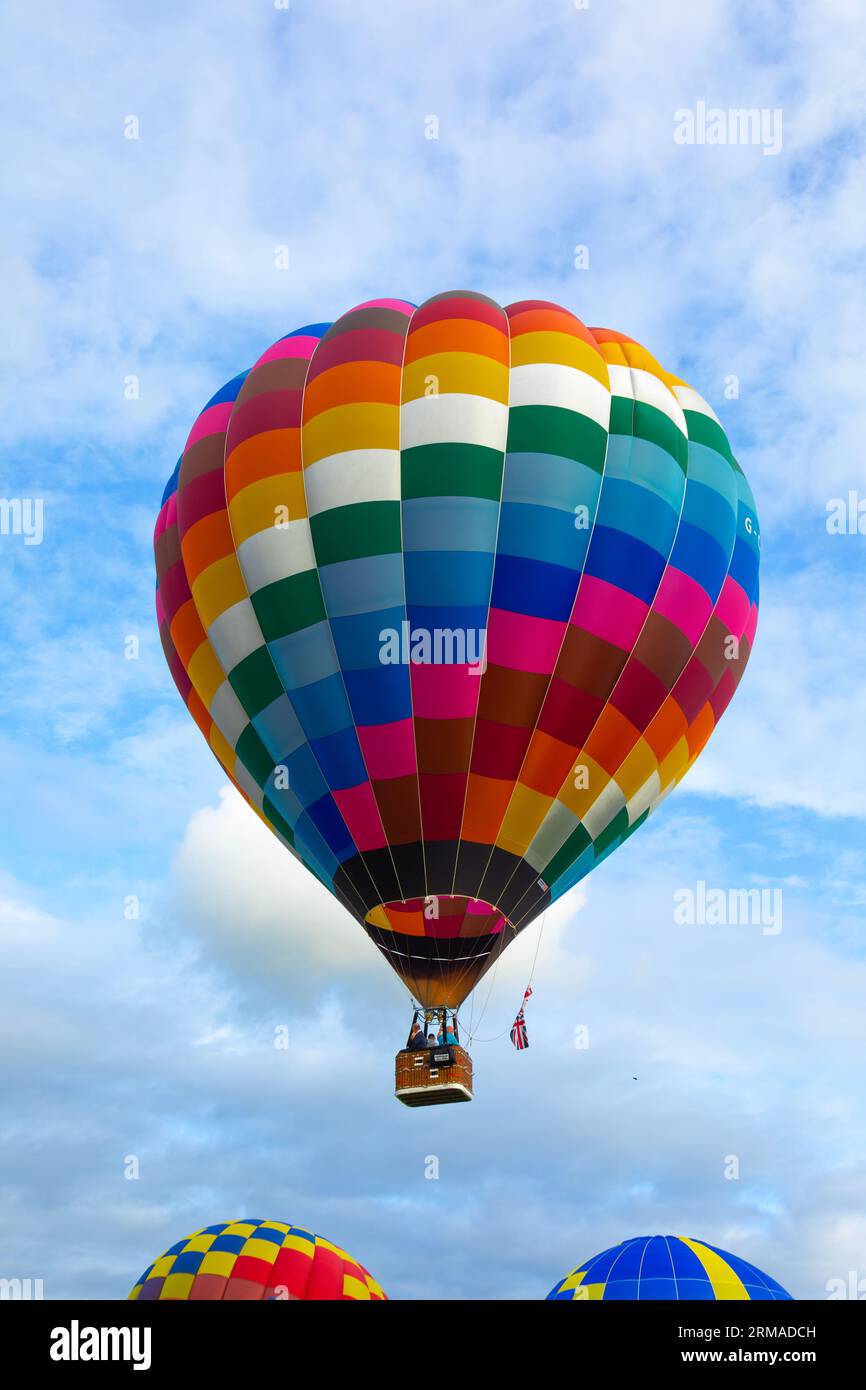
(258, 910)
(789, 737)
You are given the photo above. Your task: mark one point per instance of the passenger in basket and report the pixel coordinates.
(417, 1038)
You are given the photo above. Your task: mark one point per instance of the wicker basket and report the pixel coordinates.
(433, 1075)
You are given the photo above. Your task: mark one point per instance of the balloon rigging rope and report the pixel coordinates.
(472, 1039)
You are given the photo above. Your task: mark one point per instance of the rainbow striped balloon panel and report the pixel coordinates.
(666, 1267)
(457, 594)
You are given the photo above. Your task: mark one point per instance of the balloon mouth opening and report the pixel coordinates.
(439, 915)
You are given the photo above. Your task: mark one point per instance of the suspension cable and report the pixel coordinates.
(471, 1038)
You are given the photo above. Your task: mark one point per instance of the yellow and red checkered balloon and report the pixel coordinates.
(268, 1260)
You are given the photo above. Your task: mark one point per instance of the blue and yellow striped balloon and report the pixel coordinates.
(667, 1267)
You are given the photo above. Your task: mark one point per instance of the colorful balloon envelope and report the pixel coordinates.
(666, 1267)
(268, 1260)
(457, 594)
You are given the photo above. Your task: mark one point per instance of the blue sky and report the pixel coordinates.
(261, 127)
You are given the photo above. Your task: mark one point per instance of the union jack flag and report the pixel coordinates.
(519, 1035)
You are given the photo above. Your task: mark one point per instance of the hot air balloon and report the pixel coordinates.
(457, 594)
(666, 1267)
(268, 1260)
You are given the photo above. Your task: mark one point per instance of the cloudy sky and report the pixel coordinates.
(152, 1037)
